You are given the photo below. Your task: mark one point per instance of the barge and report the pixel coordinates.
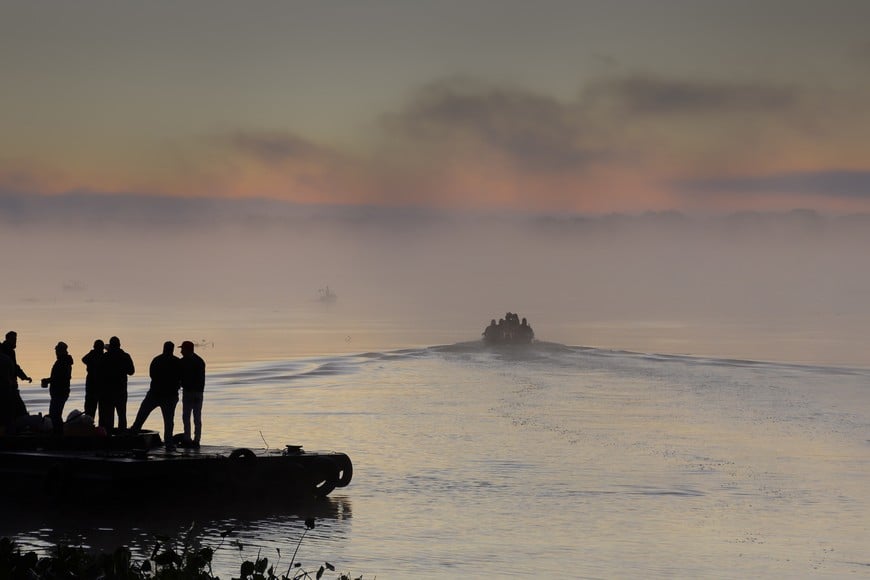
(130, 466)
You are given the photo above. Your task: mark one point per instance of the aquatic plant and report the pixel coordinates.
(181, 559)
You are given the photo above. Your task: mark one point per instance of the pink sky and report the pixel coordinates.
(561, 107)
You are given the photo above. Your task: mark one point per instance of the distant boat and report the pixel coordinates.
(73, 286)
(327, 295)
(509, 330)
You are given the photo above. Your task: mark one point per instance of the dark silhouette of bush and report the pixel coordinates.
(169, 560)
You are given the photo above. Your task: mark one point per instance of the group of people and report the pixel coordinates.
(107, 370)
(509, 329)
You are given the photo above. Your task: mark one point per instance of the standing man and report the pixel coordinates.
(58, 386)
(8, 400)
(117, 366)
(94, 379)
(8, 348)
(193, 383)
(165, 372)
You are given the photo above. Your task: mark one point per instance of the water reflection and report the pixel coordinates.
(138, 524)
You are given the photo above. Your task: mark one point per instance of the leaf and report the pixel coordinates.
(164, 558)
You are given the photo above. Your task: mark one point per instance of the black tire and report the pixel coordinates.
(345, 470)
(243, 469)
(243, 454)
(322, 476)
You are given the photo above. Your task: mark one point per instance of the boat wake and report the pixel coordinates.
(299, 372)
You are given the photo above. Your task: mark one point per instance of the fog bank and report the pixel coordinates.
(662, 282)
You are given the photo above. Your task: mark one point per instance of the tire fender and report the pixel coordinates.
(323, 476)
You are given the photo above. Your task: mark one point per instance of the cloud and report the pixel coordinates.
(281, 164)
(623, 143)
(536, 131)
(275, 147)
(104, 209)
(651, 95)
(851, 184)
(682, 119)
(154, 212)
(94, 211)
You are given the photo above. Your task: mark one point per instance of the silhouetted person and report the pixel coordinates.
(501, 330)
(165, 372)
(117, 366)
(58, 386)
(94, 377)
(512, 323)
(8, 348)
(9, 395)
(525, 332)
(193, 386)
(490, 333)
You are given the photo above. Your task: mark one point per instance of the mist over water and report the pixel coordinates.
(601, 450)
(245, 276)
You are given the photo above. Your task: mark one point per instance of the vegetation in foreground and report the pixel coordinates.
(181, 559)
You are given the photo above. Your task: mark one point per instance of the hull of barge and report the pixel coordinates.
(135, 468)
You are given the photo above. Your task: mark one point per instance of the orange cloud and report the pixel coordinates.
(629, 144)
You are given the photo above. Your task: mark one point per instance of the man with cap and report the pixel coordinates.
(193, 385)
(165, 372)
(58, 385)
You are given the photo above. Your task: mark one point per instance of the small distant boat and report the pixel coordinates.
(73, 286)
(509, 330)
(327, 295)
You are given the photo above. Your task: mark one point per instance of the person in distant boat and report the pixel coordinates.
(165, 373)
(117, 366)
(502, 333)
(525, 332)
(193, 387)
(8, 348)
(58, 386)
(491, 332)
(93, 379)
(514, 325)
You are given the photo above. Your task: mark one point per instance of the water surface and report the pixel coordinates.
(546, 461)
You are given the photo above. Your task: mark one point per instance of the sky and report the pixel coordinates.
(554, 107)
(672, 176)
